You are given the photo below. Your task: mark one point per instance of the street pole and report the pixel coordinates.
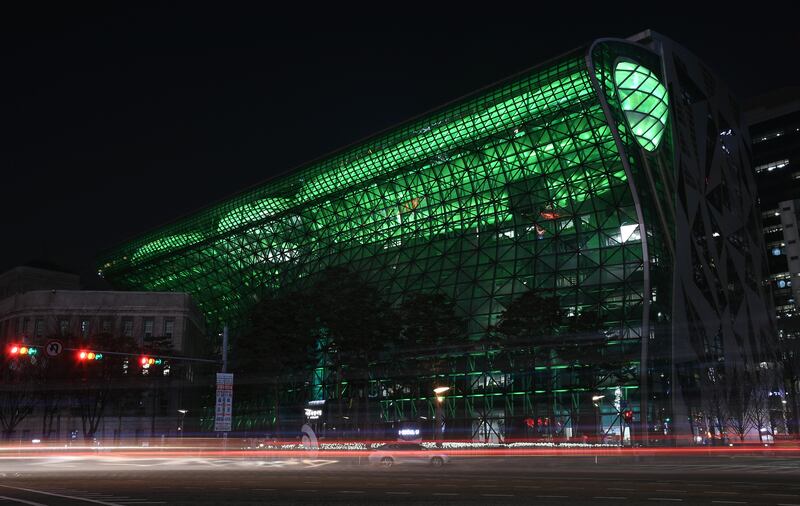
(183, 415)
(599, 425)
(225, 348)
(225, 369)
(596, 401)
(439, 426)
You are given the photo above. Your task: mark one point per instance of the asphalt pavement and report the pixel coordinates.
(565, 481)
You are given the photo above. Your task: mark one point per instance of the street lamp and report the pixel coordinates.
(438, 391)
(183, 415)
(596, 401)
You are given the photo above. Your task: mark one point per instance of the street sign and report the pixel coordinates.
(54, 348)
(223, 413)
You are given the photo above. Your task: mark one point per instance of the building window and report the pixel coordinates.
(63, 327)
(127, 327)
(769, 167)
(84, 328)
(38, 330)
(106, 326)
(169, 328)
(148, 328)
(27, 327)
(767, 136)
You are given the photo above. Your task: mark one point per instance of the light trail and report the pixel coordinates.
(290, 449)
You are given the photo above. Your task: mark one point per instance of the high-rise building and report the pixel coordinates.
(616, 176)
(774, 121)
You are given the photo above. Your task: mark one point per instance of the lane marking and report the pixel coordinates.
(21, 501)
(783, 495)
(52, 494)
(730, 502)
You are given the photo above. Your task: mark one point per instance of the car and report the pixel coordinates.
(391, 454)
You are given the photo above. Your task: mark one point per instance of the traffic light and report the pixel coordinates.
(21, 349)
(89, 356)
(627, 415)
(146, 361)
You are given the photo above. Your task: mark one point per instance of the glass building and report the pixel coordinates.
(617, 176)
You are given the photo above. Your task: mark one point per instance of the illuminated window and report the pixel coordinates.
(769, 167)
(767, 136)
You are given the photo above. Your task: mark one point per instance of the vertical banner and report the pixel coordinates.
(223, 414)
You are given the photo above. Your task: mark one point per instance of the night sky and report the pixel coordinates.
(116, 121)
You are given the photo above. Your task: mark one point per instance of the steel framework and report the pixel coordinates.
(570, 177)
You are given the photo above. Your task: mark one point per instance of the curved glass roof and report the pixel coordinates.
(643, 99)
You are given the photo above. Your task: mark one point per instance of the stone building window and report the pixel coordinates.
(169, 328)
(38, 330)
(148, 328)
(127, 327)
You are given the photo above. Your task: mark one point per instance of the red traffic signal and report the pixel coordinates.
(627, 415)
(88, 356)
(21, 349)
(146, 361)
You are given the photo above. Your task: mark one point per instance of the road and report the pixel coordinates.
(565, 481)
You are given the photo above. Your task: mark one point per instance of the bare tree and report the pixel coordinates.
(97, 379)
(739, 403)
(19, 379)
(714, 403)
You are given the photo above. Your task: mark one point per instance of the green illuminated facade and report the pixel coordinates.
(575, 177)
